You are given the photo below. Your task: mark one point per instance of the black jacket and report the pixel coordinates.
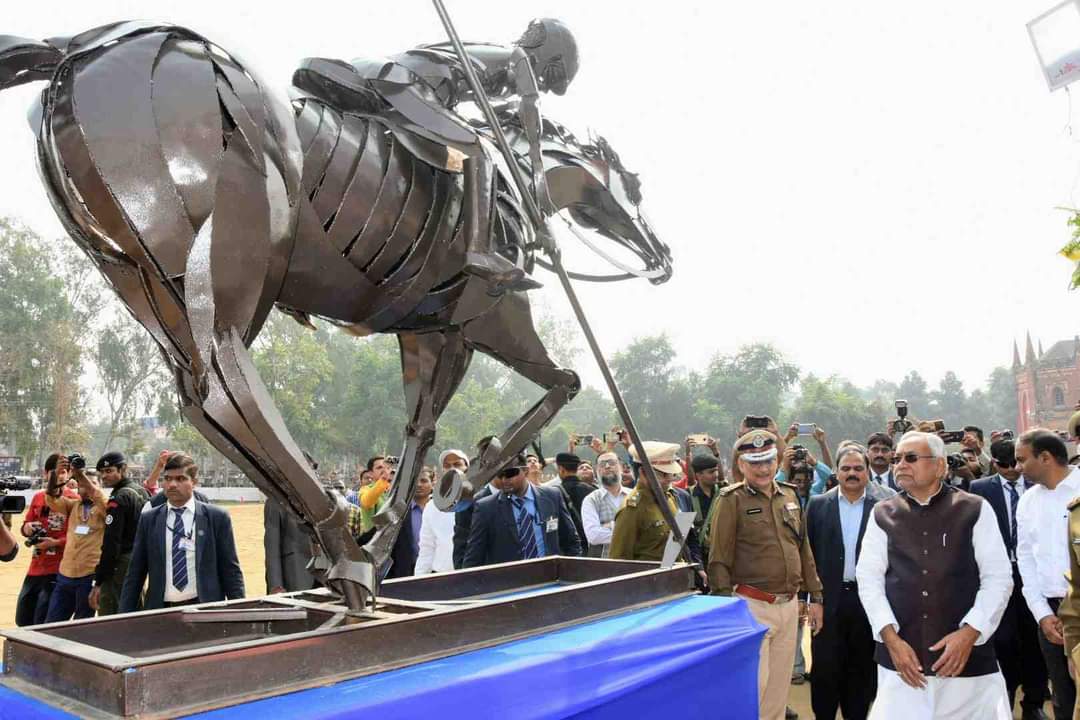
(493, 534)
(121, 520)
(990, 488)
(827, 539)
(577, 491)
(218, 575)
(462, 524)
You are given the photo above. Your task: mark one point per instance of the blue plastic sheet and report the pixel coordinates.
(690, 658)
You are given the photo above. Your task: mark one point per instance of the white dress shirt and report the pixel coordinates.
(595, 531)
(1008, 502)
(995, 576)
(1042, 542)
(190, 591)
(436, 552)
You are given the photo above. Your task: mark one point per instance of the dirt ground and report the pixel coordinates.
(248, 530)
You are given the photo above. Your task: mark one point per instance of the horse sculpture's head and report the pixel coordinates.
(589, 181)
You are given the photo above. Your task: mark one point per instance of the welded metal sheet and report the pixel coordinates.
(144, 664)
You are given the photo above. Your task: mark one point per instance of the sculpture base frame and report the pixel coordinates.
(242, 650)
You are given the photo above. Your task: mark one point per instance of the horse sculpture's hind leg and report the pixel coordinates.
(507, 334)
(432, 366)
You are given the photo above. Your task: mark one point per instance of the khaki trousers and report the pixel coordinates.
(777, 655)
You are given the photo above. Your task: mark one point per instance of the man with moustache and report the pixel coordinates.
(436, 550)
(1016, 641)
(844, 676)
(879, 448)
(600, 506)
(934, 579)
(759, 551)
(1042, 552)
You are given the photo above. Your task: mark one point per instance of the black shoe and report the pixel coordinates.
(790, 714)
(1033, 714)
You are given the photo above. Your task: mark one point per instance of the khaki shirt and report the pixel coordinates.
(1069, 612)
(640, 532)
(82, 550)
(760, 540)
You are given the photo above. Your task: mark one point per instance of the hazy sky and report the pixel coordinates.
(872, 187)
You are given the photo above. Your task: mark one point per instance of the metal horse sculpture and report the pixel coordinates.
(206, 201)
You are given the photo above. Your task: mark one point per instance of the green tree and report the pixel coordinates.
(839, 408)
(48, 295)
(753, 381)
(655, 390)
(131, 372)
(913, 388)
(950, 402)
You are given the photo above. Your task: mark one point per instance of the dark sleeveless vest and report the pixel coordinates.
(932, 577)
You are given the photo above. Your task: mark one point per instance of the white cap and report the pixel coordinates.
(453, 451)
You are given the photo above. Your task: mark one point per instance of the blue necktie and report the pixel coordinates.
(1014, 497)
(179, 554)
(526, 536)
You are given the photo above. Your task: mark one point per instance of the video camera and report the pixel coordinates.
(14, 504)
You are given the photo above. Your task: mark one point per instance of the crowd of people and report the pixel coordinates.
(933, 584)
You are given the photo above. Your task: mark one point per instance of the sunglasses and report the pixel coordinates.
(1005, 463)
(910, 458)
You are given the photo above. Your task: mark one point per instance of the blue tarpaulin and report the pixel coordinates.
(690, 658)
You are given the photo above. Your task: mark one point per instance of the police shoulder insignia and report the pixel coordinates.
(633, 499)
(108, 519)
(787, 485)
(728, 489)
(1074, 503)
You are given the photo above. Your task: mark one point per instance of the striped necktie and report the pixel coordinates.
(179, 553)
(525, 530)
(1014, 498)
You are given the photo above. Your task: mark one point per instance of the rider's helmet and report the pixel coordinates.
(553, 53)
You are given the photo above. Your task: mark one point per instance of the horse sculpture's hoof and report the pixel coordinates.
(454, 491)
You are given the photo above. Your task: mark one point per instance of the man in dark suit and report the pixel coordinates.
(879, 449)
(407, 545)
(844, 674)
(185, 547)
(575, 489)
(288, 551)
(522, 522)
(1016, 642)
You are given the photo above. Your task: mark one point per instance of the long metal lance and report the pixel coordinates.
(541, 224)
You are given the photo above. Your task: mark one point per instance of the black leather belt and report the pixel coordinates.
(849, 585)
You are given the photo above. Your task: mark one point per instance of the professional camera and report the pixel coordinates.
(14, 504)
(37, 536)
(901, 424)
(14, 484)
(800, 455)
(956, 461)
(76, 461)
(392, 459)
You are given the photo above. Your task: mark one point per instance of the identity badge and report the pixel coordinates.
(552, 524)
(82, 529)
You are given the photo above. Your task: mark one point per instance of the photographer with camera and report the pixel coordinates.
(9, 545)
(46, 535)
(798, 459)
(86, 528)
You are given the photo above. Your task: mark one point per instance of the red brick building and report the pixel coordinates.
(1047, 384)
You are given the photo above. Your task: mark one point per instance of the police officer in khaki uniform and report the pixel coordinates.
(640, 532)
(760, 552)
(1069, 611)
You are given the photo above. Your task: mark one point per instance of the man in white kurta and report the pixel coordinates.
(934, 579)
